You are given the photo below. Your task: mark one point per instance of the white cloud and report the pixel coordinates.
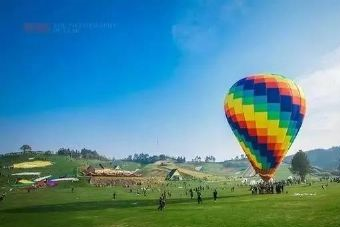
(194, 38)
(199, 30)
(321, 128)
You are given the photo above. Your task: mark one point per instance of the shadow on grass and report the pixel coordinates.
(99, 205)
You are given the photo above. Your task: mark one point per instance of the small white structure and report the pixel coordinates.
(252, 183)
(244, 181)
(249, 172)
(42, 178)
(174, 175)
(198, 168)
(65, 179)
(26, 174)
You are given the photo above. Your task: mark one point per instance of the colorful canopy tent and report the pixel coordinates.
(52, 183)
(23, 183)
(26, 174)
(26, 182)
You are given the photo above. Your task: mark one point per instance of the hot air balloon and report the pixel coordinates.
(265, 112)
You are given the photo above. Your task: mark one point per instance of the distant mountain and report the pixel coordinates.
(322, 158)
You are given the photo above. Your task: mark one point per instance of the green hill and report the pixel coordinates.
(322, 158)
(62, 165)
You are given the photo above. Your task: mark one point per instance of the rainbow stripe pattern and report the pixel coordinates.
(265, 112)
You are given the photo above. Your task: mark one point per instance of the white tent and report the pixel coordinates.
(26, 174)
(42, 178)
(252, 183)
(198, 168)
(244, 181)
(174, 175)
(66, 179)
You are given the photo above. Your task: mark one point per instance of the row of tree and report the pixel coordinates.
(144, 158)
(299, 165)
(207, 159)
(241, 157)
(83, 153)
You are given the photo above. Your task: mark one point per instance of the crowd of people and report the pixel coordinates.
(267, 188)
(122, 181)
(335, 179)
(112, 181)
(198, 190)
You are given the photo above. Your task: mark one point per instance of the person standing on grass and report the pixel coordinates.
(161, 203)
(72, 189)
(191, 193)
(2, 197)
(114, 195)
(215, 195)
(199, 197)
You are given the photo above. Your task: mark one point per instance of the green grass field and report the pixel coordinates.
(91, 206)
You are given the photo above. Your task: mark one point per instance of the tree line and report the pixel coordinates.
(209, 158)
(300, 164)
(83, 153)
(145, 158)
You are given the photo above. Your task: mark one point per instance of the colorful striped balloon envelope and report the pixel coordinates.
(265, 112)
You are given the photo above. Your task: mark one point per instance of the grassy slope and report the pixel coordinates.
(216, 168)
(90, 206)
(126, 165)
(68, 166)
(219, 169)
(62, 166)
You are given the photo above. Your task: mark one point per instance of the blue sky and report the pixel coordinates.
(150, 76)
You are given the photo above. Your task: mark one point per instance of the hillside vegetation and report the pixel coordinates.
(65, 166)
(328, 159)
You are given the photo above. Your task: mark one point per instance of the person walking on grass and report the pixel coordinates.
(191, 193)
(161, 203)
(215, 195)
(199, 197)
(2, 197)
